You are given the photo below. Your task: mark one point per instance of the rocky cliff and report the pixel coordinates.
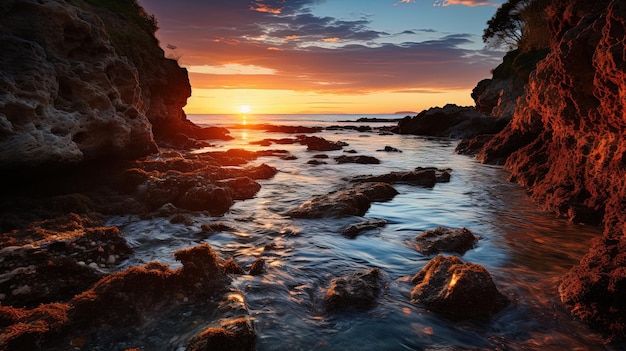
(85, 79)
(567, 145)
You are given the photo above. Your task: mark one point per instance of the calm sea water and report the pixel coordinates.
(525, 249)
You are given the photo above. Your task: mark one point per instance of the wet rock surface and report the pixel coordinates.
(443, 239)
(359, 290)
(426, 177)
(352, 201)
(353, 230)
(457, 289)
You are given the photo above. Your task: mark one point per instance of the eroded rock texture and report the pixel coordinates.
(86, 80)
(567, 145)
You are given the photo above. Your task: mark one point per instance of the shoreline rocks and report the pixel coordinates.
(352, 201)
(443, 239)
(450, 121)
(457, 289)
(358, 290)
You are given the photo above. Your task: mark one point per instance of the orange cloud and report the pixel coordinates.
(265, 8)
(330, 40)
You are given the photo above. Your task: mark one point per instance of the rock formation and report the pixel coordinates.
(450, 121)
(567, 145)
(457, 289)
(80, 82)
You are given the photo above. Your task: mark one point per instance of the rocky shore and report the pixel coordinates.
(92, 126)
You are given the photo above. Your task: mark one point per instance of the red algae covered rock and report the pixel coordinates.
(130, 296)
(29, 329)
(457, 289)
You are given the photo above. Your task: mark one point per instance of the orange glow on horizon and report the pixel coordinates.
(280, 101)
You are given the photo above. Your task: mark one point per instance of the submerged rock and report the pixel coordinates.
(358, 290)
(354, 201)
(443, 239)
(457, 289)
(355, 229)
(370, 160)
(319, 144)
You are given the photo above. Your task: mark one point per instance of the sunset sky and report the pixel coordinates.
(334, 56)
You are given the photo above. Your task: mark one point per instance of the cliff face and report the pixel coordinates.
(567, 145)
(82, 80)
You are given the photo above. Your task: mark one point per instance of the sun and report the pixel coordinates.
(244, 109)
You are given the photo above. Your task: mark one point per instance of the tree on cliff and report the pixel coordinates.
(518, 24)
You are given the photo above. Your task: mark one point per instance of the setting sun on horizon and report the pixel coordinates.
(311, 57)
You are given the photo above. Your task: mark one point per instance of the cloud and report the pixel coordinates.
(277, 44)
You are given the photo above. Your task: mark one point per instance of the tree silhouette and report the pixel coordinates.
(504, 29)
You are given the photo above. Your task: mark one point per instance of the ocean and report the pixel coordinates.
(525, 250)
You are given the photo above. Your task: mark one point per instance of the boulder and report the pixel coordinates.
(314, 143)
(457, 289)
(450, 121)
(353, 201)
(370, 160)
(426, 177)
(443, 239)
(358, 290)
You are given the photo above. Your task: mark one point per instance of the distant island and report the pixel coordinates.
(405, 113)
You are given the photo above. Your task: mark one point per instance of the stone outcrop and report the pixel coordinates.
(566, 145)
(80, 82)
(421, 176)
(352, 201)
(450, 121)
(443, 239)
(357, 291)
(457, 289)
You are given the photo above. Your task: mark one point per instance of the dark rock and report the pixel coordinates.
(55, 259)
(450, 121)
(316, 162)
(459, 290)
(354, 201)
(215, 227)
(472, 146)
(257, 267)
(356, 291)
(207, 197)
(320, 156)
(242, 188)
(357, 159)
(389, 149)
(319, 144)
(427, 177)
(181, 219)
(232, 335)
(443, 239)
(232, 267)
(355, 229)
(594, 289)
(350, 151)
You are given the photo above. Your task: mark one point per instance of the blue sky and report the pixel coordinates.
(425, 52)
